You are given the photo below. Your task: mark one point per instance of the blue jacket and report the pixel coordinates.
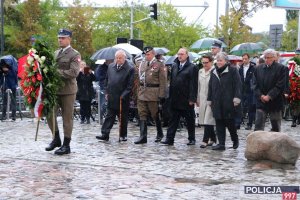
(9, 80)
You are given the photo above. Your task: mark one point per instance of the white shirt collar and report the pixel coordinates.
(64, 49)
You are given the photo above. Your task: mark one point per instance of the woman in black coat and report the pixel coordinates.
(224, 96)
(85, 92)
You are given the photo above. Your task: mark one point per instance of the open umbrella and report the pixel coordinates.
(205, 43)
(107, 53)
(247, 47)
(262, 45)
(129, 48)
(161, 50)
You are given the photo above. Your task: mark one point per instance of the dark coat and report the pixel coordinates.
(248, 80)
(100, 74)
(223, 91)
(247, 84)
(118, 84)
(183, 85)
(270, 81)
(85, 91)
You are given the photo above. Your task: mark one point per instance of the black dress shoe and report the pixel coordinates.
(123, 139)
(158, 139)
(235, 144)
(103, 137)
(210, 143)
(63, 150)
(167, 142)
(53, 145)
(191, 142)
(218, 147)
(203, 145)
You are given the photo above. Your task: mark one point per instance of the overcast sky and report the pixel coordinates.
(259, 22)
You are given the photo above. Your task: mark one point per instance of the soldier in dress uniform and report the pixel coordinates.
(68, 61)
(151, 92)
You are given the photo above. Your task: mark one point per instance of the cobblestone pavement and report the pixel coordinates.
(125, 171)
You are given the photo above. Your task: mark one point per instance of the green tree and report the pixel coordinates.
(169, 30)
(29, 15)
(246, 8)
(79, 19)
(233, 32)
(289, 37)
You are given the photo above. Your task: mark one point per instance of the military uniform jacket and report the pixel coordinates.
(68, 67)
(152, 81)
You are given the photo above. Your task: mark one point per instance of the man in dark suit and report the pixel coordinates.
(246, 72)
(183, 96)
(118, 86)
(68, 60)
(268, 88)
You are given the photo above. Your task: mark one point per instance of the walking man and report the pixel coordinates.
(118, 86)
(183, 96)
(246, 72)
(152, 87)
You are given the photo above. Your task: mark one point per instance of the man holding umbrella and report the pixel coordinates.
(8, 84)
(118, 85)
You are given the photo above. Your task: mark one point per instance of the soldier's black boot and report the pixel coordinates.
(56, 142)
(294, 124)
(65, 148)
(143, 133)
(159, 130)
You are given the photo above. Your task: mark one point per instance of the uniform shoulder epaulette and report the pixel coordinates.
(75, 50)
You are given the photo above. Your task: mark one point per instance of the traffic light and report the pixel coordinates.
(153, 11)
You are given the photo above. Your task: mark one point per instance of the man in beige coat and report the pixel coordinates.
(68, 61)
(152, 89)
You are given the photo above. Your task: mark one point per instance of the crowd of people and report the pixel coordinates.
(225, 94)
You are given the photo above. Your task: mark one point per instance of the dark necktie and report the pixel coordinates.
(60, 51)
(180, 67)
(148, 63)
(118, 67)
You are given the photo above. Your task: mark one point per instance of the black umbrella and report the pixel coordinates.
(161, 50)
(107, 53)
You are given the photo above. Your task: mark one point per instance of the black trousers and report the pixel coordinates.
(85, 109)
(221, 125)
(209, 133)
(13, 103)
(189, 116)
(110, 119)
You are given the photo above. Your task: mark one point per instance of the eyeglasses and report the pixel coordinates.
(203, 63)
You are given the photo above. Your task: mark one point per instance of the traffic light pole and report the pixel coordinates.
(132, 22)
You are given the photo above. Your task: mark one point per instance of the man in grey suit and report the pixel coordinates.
(68, 60)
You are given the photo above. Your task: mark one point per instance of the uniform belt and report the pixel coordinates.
(150, 85)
